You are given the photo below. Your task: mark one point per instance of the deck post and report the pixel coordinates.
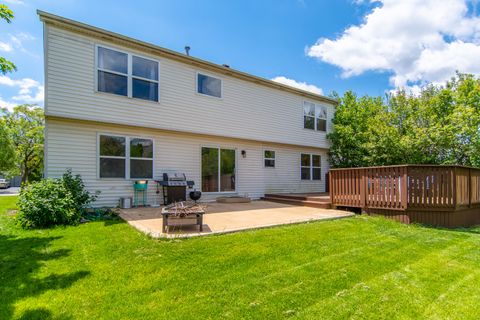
(454, 187)
(404, 188)
(331, 174)
(469, 186)
(363, 189)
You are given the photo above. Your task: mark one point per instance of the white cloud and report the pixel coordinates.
(14, 1)
(29, 91)
(15, 42)
(7, 104)
(6, 47)
(299, 85)
(418, 41)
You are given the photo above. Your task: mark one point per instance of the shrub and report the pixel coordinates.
(52, 202)
(75, 185)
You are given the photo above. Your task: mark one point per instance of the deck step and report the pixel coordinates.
(316, 198)
(299, 202)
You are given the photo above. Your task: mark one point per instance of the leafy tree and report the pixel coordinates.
(26, 124)
(5, 65)
(7, 151)
(440, 125)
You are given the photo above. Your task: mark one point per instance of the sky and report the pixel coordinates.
(368, 46)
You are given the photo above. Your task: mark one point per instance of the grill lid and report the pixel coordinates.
(174, 176)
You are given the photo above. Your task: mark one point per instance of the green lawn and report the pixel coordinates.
(352, 268)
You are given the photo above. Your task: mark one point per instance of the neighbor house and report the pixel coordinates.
(119, 110)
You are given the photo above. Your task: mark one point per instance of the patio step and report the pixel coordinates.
(315, 203)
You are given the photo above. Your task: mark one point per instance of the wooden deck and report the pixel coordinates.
(446, 196)
(315, 200)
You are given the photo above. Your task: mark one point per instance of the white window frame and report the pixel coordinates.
(315, 117)
(311, 166)
(274, 158)
(219, 169)
(99, 156)
(127, 157)
(129, 73)
(212, 76)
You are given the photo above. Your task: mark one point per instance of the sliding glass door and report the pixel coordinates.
(218, 170)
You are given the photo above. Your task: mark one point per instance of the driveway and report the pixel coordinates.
(231, 217)
(12, 191)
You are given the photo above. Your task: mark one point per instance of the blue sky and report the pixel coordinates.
(367, 46)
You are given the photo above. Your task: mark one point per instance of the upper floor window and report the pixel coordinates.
(209, 85)
(269, 158)
(125, 157)
(314, 116)
(126, 74)
(310, 166)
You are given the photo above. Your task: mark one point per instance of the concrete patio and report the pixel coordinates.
(230, 217)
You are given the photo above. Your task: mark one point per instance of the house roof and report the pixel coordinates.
(106, 35)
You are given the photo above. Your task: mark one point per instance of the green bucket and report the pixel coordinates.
(140, 185)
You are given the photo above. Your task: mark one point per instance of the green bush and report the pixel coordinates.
(52, 202)
(75, 185)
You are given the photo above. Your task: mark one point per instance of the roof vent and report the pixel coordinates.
(187, 50)
(226, 65)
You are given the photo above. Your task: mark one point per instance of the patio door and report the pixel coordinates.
(218, 169)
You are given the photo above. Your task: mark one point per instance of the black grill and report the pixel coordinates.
(174, 187)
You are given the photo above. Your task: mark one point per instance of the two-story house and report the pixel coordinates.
(119, 109)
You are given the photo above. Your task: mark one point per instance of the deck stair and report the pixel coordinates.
(315, 200)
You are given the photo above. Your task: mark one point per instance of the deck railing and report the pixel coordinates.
(419, 187)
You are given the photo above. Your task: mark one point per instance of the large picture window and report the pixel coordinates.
(209, 85)
(125, 157)
(314, 116)
(218, 170)
(310, 166)
(127, 75)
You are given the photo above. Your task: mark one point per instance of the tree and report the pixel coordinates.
(440, 125)
(7, 151)
(26, 124)
(5, 65)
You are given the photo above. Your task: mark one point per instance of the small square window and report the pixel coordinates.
(141, 148)
(305, 173)
(309, 122)
(144, 68)
(112, 146)
(145, 90)
(269, 158)
(209, 85)
(112, 60)
(112, 168)
(141, 169)
(112, 83)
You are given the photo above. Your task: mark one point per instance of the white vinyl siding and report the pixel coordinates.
(72, 144)
(245, 111)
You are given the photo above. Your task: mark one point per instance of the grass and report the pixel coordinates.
(358, 268)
